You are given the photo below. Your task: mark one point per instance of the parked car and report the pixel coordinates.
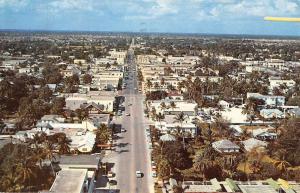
(110, 174)
(127, 114)
(123, 130)
(138, 174)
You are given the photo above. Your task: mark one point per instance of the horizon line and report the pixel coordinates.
(153, 32)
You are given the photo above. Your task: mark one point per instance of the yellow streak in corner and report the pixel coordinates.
(282, 19)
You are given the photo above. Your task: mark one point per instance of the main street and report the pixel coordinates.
(132, 153)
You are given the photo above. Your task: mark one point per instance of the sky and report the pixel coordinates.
(176, 16)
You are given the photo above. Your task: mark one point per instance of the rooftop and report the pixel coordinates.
(83, 160)
(69, 181)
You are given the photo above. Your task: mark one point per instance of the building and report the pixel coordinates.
(271, 113)
(72, 181)
(276, 82)
(253, 143)
(264, 186)
(120, 56)
(225, 146)
(264, 134)
(268, 99)
(103, 99)
(108, 79)
(168, 124)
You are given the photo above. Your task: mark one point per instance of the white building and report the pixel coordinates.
(169, 124)
(268, 99)
(277, 82)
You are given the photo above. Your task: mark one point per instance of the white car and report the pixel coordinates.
(138, 174)
(127, 114)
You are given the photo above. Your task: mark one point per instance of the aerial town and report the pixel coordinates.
(147, 113)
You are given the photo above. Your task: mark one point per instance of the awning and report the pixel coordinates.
(273, 183)
(216, 185)
(232, 185)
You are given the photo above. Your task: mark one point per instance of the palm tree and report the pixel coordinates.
(9, 181)
(26, 171)
(156, 86)
(48, 153)
(149, 85)
(163, 106)
(153, 112)
(173, 105)
(159, 117)
(281, 165)
(63, 145)
(180, 118)
(102, 134)
(202, 166)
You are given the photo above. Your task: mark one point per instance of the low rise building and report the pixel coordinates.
(270, 100)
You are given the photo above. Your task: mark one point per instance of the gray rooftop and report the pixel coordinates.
(69, 181)
(79, 161)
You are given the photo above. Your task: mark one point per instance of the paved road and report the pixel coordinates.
(132, 151)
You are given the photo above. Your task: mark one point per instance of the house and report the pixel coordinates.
(92, 108)
(264, 134)
(225, 146)
(268, 99)
(83, 141)
(271, 113)
(224, 104)
(294, 112)
(252, 143)
(168, 124)
(70, 71)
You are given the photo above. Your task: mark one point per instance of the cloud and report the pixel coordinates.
(13, 4)
(56, 6)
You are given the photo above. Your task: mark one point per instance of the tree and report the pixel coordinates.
(149, 85)
(26, 171)
(173, 105)
(63, 145)
(164, 169)
(180, 118)
(159, 117)
(281, 165)
(87, 79)
(102, 134)
(163, 106)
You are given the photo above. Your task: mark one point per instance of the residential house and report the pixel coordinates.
(294, 112)
(169, 124)
(92, 108)
(271, 114)
(268, 99)
(264, 134)
(225, 146)
(253, 143)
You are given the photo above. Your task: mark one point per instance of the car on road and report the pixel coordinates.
(135, 88)
(127, 114)
(138, 174)
(123, 130)
(129, 104)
